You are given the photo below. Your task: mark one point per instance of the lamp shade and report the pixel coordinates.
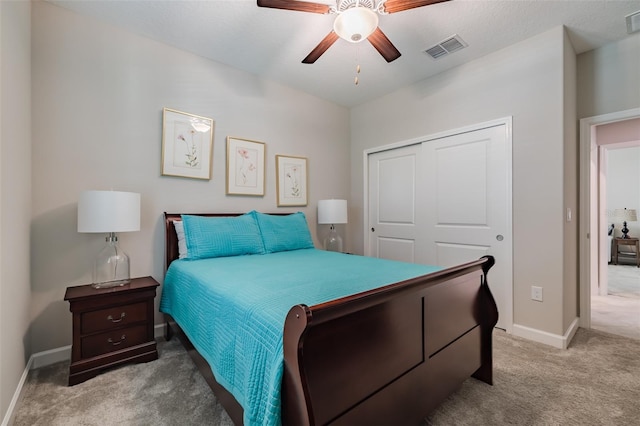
(626, 215)
(356, 24)
(332, 211)
(108, 211)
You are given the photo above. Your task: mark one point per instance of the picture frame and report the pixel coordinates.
(245, 166)
(292, 180)
(187, 144)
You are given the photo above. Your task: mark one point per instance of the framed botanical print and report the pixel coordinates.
(187, 144)
(291, 183)
(245, 167)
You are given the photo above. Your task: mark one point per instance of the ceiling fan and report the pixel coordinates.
(357, 20)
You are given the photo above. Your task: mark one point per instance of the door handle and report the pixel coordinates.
(499, 237)
(373, 229)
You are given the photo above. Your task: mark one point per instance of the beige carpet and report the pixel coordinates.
(168, 391)
(594, 382)
(619, 311)
(623, 281)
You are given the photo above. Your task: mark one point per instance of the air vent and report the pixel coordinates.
(436, 51)
(445, 47)
(633, 22)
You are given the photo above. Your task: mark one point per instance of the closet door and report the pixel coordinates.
(444, 202)
(393, 205)
(468, 180)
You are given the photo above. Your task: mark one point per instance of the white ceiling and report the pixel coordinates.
(272, 43)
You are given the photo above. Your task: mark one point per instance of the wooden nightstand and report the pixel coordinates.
(617, 242)
(111, 326)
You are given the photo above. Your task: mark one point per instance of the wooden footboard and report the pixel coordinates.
(391, 355)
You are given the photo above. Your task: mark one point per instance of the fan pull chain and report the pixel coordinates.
(356, 80)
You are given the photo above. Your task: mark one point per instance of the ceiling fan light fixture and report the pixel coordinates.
(356, 24)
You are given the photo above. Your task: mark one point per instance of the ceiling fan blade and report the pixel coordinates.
(321, 48)
(392, 6)
(300, 6)
(384, 45)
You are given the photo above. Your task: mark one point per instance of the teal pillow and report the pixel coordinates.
(283, 233)
(221, 236)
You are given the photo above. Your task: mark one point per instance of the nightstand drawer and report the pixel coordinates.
(107, 319)
(113, 340)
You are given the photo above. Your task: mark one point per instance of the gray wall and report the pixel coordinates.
(571, 288)
(526, 81)
(98, 94)
(15, 195)
(608, 78)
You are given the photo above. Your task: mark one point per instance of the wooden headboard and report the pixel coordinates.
(171, 239)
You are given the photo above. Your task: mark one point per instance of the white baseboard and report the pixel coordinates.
(43, 359)
(37, 360)
(158, 330)
(555, 340)
(17, 395)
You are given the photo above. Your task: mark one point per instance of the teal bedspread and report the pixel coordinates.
(233, 310)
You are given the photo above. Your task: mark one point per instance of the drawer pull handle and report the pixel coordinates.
(118, 342)
(110, 318)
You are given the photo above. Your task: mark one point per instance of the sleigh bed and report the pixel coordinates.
(385, 355)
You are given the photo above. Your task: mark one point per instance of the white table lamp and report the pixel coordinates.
(109, 212)
(332, 212)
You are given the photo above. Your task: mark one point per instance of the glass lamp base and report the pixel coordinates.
(110, 284)
(111, 267)
(333, 242)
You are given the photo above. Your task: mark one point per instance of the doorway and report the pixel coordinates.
(594, 221)
(616, 306)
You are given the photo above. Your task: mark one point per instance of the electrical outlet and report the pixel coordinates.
(536, 293)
